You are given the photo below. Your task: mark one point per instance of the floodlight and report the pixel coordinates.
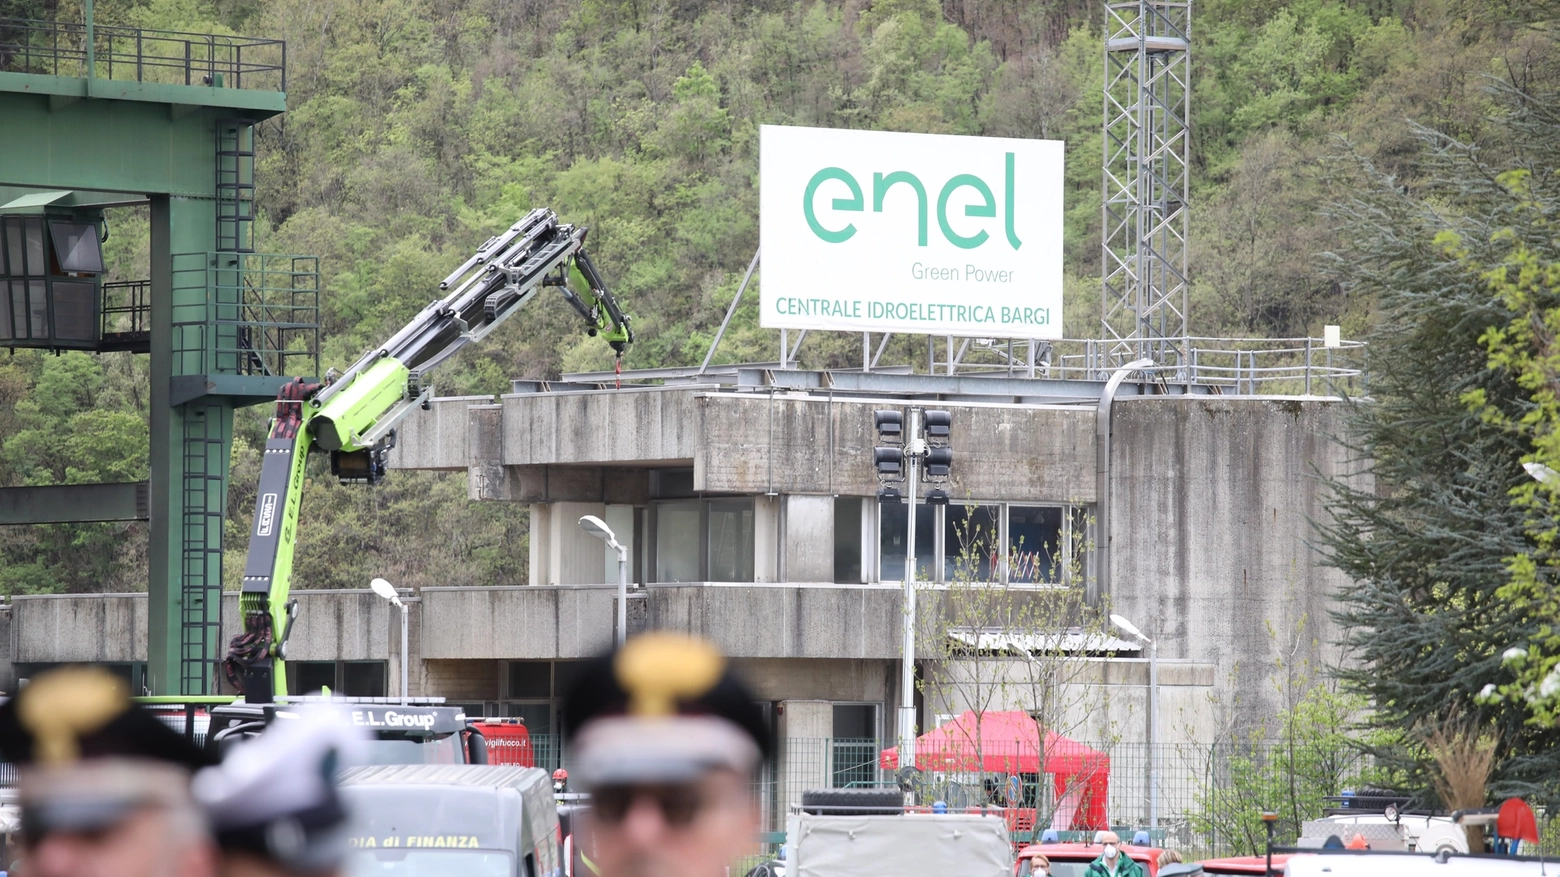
(938, 462)
(890, 462)
(939, 427)
(890, 496)
(890, 425)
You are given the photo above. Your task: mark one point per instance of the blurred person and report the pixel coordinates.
(104, 785)
(666, 740)
(1112, 863)
(1168, 857)
(273, 803)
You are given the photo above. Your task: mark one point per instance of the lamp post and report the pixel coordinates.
(1131, 630)
(910, 450)
(598, 528)
(387, 591)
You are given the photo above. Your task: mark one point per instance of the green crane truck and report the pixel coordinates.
(353, 415)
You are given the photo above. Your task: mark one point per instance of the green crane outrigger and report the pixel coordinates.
(354, 416)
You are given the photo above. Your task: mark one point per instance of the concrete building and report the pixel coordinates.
(749, 504)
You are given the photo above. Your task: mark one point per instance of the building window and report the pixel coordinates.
(988, 542)
(847, 540)
(346, 678)
(677, 541)
(892, 526)
(1035, 543)
(731, 540)
(534, 692)
(853, 755)
(970, 548)
(704, 540)
(530, 679)
(132, 673)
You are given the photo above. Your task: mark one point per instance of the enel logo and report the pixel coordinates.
(882, 183)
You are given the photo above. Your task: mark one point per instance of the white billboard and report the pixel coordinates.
(926, 233)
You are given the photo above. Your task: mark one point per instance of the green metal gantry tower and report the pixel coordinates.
(99, 116)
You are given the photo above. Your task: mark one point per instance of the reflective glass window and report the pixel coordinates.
(1035, 549)
(19, 308)
(74, 311)
(731, 540)
(970, 549)
(892, 521)
(13, 247)
(37, 309)
(32, 233)
(677, 541)
(76, 247)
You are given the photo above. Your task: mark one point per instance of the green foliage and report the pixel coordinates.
(1317, 755)
(1516, 257)
(1427, 529)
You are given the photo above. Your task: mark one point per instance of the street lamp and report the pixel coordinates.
(1541, 473)
(387, 591)
(1131, 630)
(598, 528)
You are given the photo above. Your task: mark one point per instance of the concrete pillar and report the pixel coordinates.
(808, 541)
(766, 538)
(804, 731)
(574, 556)
(539, 572)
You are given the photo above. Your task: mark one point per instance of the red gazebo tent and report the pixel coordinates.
(1010, 742)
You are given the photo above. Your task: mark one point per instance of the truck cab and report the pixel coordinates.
(421, 731)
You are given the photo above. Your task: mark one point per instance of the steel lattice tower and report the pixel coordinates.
(1147, 95)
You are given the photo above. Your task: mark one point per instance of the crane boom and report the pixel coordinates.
(354, 416)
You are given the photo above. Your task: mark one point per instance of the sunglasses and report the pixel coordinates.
(680, 805)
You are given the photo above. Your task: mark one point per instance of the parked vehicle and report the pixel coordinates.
(851, 832)
(1242, 865)
(1376, 863)
(1413, 832)
(1072, 859)
(421, 820)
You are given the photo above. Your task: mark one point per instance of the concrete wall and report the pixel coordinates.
(1211, 507)
(517, 622)
(103, 627)
(582, 446)
(793, 444)
(437, 438)
(346, 625)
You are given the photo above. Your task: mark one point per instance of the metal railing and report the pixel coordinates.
(1239, 366)
(59, 48)
(127, 310)
(255, 314)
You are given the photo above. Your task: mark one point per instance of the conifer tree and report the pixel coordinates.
(1428, 531)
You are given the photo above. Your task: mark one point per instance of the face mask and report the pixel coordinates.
(1038, 871)
(1110, 852)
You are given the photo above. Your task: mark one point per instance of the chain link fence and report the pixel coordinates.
(1203, 800)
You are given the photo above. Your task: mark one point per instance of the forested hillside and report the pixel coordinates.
(419, 127)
